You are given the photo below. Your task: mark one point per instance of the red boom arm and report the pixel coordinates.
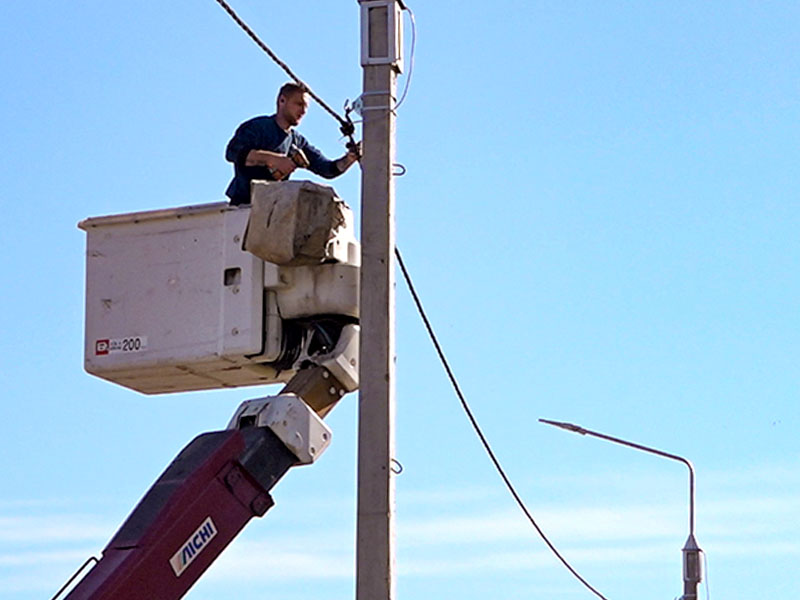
(199, 504)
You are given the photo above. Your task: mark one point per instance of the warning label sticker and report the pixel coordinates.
(134, 343)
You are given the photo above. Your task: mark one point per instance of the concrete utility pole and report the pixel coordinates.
(381, 57)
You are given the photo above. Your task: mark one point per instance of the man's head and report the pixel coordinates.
(292, 104)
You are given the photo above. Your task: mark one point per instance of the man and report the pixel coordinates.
(262, 147)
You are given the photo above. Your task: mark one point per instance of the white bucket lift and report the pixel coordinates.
(175, 303)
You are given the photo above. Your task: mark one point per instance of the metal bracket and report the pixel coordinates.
(289, 418)
(360, 109)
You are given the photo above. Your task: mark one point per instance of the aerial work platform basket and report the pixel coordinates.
(214, 296)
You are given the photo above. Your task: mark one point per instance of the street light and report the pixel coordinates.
(692, 573)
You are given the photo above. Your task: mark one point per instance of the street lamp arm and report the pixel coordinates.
(583, 431)
(692, 572)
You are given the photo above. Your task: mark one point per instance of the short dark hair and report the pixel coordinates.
(290, 89)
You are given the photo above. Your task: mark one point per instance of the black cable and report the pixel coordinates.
(477, 428)
(347, 127)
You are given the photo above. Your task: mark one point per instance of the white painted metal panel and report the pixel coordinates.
(319, 290)
(172, 301)
(241, 324)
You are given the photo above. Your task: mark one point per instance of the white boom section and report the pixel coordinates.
(291, 419)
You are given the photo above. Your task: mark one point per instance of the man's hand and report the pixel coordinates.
(355, 149)
(353, 155)
(281, 166)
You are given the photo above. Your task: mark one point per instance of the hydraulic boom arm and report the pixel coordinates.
(218, 483)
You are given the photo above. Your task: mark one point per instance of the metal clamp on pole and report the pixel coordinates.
(360, 109)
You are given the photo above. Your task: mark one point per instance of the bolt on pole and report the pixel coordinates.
(381, 57)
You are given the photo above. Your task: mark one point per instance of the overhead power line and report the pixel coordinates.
(476, 427)
(346, 124)
(347, 127)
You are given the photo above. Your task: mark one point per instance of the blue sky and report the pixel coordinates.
(600, 212)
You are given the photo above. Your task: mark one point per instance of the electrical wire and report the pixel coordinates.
(477, 428)
(411, 57)
(347, 126)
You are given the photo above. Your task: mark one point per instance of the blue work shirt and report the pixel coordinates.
(263, 133)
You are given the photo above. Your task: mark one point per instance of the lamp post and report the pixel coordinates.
(692, 572)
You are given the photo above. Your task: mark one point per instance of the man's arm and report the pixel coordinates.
(346, 161)
(321, 165)
(280, 165)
